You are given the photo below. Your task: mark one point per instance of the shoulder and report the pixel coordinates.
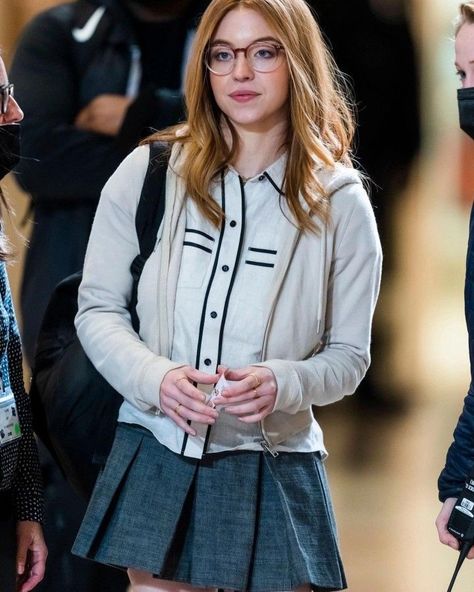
(125, 184)
(346, 191)
(62, 20)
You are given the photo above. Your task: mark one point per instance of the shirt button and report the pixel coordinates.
(261, 178)
(233, 223)
(213, 314)
(208, 362)
(225, 268)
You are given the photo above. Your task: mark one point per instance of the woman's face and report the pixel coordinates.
(254, 101)
(13, 114)
(464, 52)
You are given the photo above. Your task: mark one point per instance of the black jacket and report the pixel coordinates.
(460, 456)
(66, 57)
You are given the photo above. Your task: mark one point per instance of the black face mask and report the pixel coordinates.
(466, 110)
(9, 147)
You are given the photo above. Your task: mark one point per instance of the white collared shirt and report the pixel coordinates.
(223, 294)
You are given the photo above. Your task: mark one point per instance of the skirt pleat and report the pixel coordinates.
(240, 520)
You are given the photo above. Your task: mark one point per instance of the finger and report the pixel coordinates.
(201, 377)
(179, 421)
(184, 386)
(249, 407)
(256, 417)
(199, 406)
(21, 554)
(32, 581)
(232, 398)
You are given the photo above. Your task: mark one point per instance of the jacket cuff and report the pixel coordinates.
(289, 395)
(148, 398)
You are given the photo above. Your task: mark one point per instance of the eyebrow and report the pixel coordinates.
(224, 42)
(459, 67)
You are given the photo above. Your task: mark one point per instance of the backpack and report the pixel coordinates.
(74, 408)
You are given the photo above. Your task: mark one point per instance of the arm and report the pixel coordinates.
(460, 455)
(290, 386)
(27, 487)
(103, 320)
(60, 161)
(352, 292)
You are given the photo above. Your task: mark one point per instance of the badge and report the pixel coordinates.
(9, 422)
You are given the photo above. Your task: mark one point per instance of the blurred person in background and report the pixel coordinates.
(370, 38)
(460, 456)
(93, 77)
(22, 553)
(266, 273)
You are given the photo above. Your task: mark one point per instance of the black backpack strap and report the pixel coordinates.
(150, 212)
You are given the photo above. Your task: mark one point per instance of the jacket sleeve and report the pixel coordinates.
(352, 292)
(60, 162)
(460, 456)
(27, 484)
(103, 320)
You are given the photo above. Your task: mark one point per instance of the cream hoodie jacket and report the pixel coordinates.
(317, 334)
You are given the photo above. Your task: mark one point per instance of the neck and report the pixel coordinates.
(258, 150)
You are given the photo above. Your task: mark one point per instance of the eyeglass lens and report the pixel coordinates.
(262, 57)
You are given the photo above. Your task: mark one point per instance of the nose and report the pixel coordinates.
(242, 69)
(14, 113)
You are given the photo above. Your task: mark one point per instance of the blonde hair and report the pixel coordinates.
(321, 122)
(466, 15)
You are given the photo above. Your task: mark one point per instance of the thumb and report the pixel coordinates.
(21, 554)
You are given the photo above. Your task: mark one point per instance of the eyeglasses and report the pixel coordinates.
(6, 91)
(261, 57)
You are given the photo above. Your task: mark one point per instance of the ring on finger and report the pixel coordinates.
(176, 409)
(258, 382)
(180, 378)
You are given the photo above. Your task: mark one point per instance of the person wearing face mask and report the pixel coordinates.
(460, 456)
(21, 496)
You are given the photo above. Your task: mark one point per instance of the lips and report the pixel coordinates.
(243, 95)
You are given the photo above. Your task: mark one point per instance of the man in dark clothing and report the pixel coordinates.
(93, 77)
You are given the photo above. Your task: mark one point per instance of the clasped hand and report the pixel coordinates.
(251, 397)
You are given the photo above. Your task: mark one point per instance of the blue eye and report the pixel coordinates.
(265, 53)
(222, 55)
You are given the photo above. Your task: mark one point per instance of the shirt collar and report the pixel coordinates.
(273, 174)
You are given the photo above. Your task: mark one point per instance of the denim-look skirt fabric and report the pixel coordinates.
(240, 520)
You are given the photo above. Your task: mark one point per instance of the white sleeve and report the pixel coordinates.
(103, 320)
(353, 288)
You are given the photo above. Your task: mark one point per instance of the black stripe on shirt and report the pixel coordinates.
(260, 263)
(206, 298)
(199, 232)
(197, 245)
(269, 251)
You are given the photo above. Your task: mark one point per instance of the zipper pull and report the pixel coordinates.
(267, 448)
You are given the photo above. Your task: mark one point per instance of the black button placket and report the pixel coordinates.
(213, 316)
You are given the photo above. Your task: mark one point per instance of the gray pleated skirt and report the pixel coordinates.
(240, 520)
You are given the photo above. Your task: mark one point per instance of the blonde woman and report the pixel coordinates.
(460, 457)
(264, 281)
(21, 492)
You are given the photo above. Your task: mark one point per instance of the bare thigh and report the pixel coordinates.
(144, 582)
